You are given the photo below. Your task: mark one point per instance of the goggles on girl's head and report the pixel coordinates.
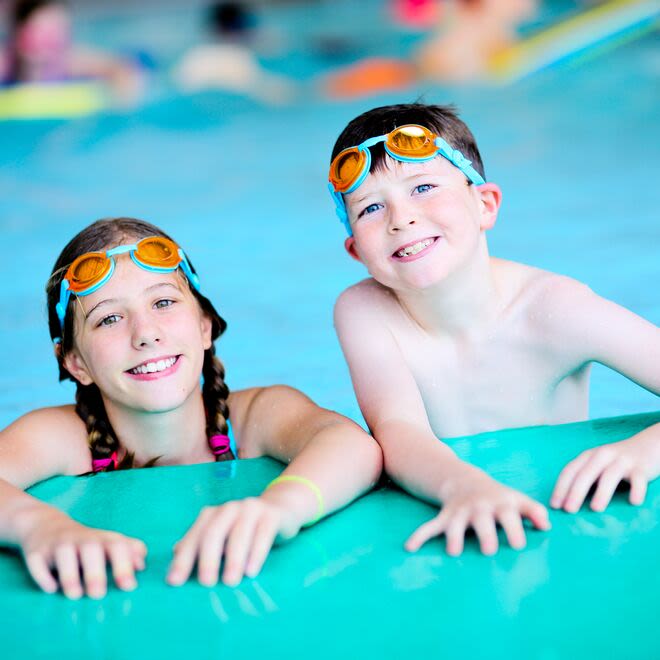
(91, 271)
(411, 143)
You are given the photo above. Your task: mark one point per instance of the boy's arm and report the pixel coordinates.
(414, 457)
(601, 331)
(331, 461)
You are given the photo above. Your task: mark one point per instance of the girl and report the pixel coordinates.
(132, 330)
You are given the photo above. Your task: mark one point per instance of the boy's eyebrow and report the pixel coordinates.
(149, 289)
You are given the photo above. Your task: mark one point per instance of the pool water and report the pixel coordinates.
(243, 189)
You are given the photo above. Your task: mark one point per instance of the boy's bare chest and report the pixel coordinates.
(502, 380)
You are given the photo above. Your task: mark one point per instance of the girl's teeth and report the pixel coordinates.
(414, 249)
(152, 367)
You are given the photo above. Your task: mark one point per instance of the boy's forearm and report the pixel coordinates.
(18, 511)
(420, 463)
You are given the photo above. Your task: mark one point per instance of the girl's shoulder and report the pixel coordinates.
(46, 442)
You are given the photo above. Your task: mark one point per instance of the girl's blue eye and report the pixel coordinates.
(423, 187)
(165, 302)
(372, 208)
(111, 319)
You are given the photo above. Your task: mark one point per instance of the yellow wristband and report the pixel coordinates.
(311, 485)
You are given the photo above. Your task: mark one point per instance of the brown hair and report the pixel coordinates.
(102, 235)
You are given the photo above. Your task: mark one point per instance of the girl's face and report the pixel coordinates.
(141, 339)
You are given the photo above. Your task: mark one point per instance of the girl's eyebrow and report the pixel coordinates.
(149, 289)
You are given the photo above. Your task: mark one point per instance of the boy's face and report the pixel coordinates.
(416, 223)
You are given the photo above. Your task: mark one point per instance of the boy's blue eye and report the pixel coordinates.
(424, 187)
(165, 302)
(372, 208)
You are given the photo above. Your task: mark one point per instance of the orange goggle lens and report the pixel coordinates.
(87, 270)
(412, 141)
(346, 168)
(157, 252)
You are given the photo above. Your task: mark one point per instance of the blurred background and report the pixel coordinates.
(216, 122)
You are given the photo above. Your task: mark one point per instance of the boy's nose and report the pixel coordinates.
(398, 222)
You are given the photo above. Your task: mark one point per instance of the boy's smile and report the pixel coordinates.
(415, 223)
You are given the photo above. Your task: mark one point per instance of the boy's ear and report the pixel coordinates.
(491, 198)
(349, 245)
(75, 365)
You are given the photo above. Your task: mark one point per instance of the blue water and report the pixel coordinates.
(242, 188)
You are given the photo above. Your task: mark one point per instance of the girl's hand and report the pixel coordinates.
(243, 531)
(480, 503)
(55, 541)
(636, 460)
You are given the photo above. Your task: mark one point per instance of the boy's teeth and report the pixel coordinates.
(414, 249)
(152, 367)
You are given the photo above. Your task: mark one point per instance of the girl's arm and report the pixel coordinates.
(43, 444)
(331, 462)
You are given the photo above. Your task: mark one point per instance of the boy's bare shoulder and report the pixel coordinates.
(366, 298)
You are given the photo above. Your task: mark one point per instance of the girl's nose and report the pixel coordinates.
(145, 333)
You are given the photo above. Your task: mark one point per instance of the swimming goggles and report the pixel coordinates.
(92, 270)
(411, 143)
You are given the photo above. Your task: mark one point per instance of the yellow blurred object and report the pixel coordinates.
(64, 100)
(598, 29)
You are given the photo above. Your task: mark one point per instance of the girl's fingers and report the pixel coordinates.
(566, 478)
(185, 553)
(264, 537)
(121, 561)
(455, 535)
(638, 486)
(536, 513)
(428, 530)
(92, 560)
(484, 527)
(607, 484)
(512, 525)
(238, 546)
(40, 571)
(583, 481)
(66, 562)
(211, 546)
(138, 552)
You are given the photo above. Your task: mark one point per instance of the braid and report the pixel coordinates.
(215, 393)
(101, 438)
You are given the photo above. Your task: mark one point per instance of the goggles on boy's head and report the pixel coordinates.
(92, 270)
(411, 143)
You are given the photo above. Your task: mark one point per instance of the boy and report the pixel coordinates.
(445, 340)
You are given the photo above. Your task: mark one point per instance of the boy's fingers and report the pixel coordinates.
(66, 562)
(40, 571)
(262, 542)
(92, 560)
(122, 565)
(565, 480)
(638, 486)
(607, 484)
(513, 528)
(484, 526)
(424, 532)
(584, 480)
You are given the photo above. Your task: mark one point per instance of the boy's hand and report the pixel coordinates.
(479, 502)
(55, 541)
(242, 531)
(635, 460)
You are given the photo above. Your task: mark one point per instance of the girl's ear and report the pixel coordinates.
(491, 197)
(76, 366)
(206, 325)
(349, 245)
